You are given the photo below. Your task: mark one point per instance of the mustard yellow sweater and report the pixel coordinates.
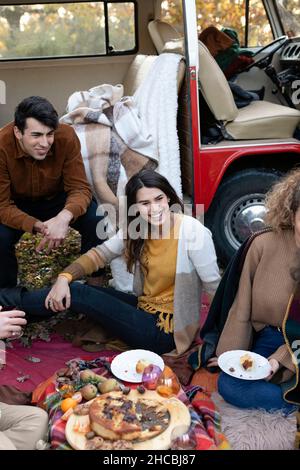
(158, 264)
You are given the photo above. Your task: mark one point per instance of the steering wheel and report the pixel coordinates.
(263, 62)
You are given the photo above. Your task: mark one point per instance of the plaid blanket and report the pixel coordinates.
(96, 115)
(205, 419)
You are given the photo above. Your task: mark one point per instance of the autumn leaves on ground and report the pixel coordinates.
(40, 270)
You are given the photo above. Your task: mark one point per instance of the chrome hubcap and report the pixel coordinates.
(245, 216)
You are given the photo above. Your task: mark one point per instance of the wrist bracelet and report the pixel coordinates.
(68, 276)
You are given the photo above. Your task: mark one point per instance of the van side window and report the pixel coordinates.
(56, 30)
(121, 26)
(259, 29)
(171, 12)
(289, 12)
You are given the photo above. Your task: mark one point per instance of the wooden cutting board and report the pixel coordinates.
(179, 416)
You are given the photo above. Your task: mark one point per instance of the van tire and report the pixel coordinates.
(238, 201)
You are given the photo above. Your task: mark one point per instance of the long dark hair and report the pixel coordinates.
(144, 179)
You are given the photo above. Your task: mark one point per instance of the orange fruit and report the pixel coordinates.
(66, 390)
(68, 403)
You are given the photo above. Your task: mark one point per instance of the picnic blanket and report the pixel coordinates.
(205, 419)
(26, 367)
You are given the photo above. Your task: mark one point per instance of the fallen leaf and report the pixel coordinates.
(33, 359)
(23, 378)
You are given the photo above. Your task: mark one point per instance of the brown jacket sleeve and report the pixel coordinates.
(10, 215)
(75, 180)
(283, 356)
(237, 332)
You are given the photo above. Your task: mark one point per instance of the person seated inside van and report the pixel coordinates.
(224, 46)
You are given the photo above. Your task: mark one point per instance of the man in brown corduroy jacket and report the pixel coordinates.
(43, 185)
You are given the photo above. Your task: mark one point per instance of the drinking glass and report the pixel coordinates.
(150, 376)
(183, 438)
(168, 383)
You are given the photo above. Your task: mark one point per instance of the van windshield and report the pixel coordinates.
(289, 11)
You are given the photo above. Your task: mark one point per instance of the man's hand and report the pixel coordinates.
(56, 230)
(59, 298)
(11, 322)
(39, 227)
(274, 368)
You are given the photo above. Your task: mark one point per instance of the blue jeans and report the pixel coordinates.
(116, 311)
(44, 210)
(256, 393)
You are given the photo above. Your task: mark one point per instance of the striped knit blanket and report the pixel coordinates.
(99, 116)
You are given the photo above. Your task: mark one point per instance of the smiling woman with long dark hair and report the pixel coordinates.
(173, 259)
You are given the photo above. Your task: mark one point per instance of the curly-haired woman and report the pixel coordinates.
(265, 314)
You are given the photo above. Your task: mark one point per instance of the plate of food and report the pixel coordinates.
(118, 421)
(244, 365)
(129, 365)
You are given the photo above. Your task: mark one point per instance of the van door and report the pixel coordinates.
(192, 64)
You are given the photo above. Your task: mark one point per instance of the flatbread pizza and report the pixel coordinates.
(134, 421)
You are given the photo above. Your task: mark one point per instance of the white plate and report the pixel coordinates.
(229, 362)
(123, 366)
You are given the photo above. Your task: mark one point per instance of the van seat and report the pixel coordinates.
(138, 70)
(161, 32)
(258, 120)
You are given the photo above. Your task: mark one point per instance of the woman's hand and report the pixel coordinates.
(11, 322)
(59, 298)
(274, 368)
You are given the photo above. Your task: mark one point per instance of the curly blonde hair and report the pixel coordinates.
(282, 202)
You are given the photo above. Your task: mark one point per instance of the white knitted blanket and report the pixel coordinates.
(157, 101)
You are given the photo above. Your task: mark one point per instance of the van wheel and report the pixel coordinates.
(238, 209)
